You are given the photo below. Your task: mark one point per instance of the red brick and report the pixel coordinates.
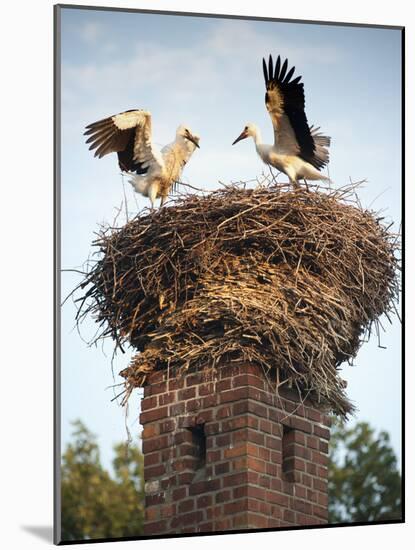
(248, 379)
(155, 527)
(167, 510)
(168, 482)
(320, 484)
(222, 468)
(238, 464)
(203, 417)
(191, 518)
(234, 395)
(322, 499)
(154, 500)
(239, 450)
(223, 496)
(183, 464)
(223, 412)
(277, 484)
(300, 492)
(152, 415)
(318, 458)
(213, 456)
(158, 388)
(313, 414)
(311, 496)
(152, 458)
(257, 521)
(235, 479)
(209, 401)
(229, 371)
(234, 507)
(303, 506)
(223, 524)
(324, 447)
(257, 465)
(193, 405)
(320, 511)
(212, 428)
(185, 478)
(148, 403)
(166, 398)
(150, 445)
(306, 480)
(194, 378)
(177, 409)
(175, 384)
(240, 521)
(154, 471)
(273, 443)
(204, 486)
(204, 501)
(289, 516)
(257, 492)
(206, 389)
(179, 493)
(313, 442)
(239, 422)
(322, 432)
(311, 468)
(188, 393)
(265, 426)
(167, 426)
(224, 385)
(301, 424)
(150, 430)
(241, 407)
(186, 506)
(263, 480)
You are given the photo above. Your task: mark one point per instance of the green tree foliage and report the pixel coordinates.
(94, 504)
(364, 481)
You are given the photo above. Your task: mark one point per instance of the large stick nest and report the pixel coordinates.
(289, 279)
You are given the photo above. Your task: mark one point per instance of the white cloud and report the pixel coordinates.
(92, 32)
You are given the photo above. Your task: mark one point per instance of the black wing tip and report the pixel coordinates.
(280, 72)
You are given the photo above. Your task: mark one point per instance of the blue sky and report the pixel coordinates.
(207, 73)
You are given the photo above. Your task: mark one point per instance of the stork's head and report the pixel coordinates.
(186, 133)
(250, 130)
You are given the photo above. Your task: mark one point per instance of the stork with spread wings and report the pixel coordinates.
(299, 150)
(129, 135)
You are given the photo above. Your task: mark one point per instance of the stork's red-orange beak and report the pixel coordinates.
(242, 136)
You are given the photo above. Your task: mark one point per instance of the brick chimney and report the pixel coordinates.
(224, 452)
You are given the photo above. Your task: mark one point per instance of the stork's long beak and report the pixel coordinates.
(193, 139)
(242, 136)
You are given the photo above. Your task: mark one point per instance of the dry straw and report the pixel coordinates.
(292, 280)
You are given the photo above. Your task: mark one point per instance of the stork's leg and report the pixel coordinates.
(163, 200)
(295, 184)
(152, 194)
(306, 184)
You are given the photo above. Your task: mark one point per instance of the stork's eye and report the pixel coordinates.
(246, 128)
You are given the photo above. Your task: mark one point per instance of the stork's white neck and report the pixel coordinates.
(256, 136)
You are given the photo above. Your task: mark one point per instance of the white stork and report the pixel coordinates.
(299, 150)
(129, 135)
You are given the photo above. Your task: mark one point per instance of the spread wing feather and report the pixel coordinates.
(129, 135)
(284, 100)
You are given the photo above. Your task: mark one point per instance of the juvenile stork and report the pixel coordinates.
(299, 150)
(129, 135)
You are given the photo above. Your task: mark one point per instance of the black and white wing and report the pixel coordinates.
(129, 135)
(285, 102)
